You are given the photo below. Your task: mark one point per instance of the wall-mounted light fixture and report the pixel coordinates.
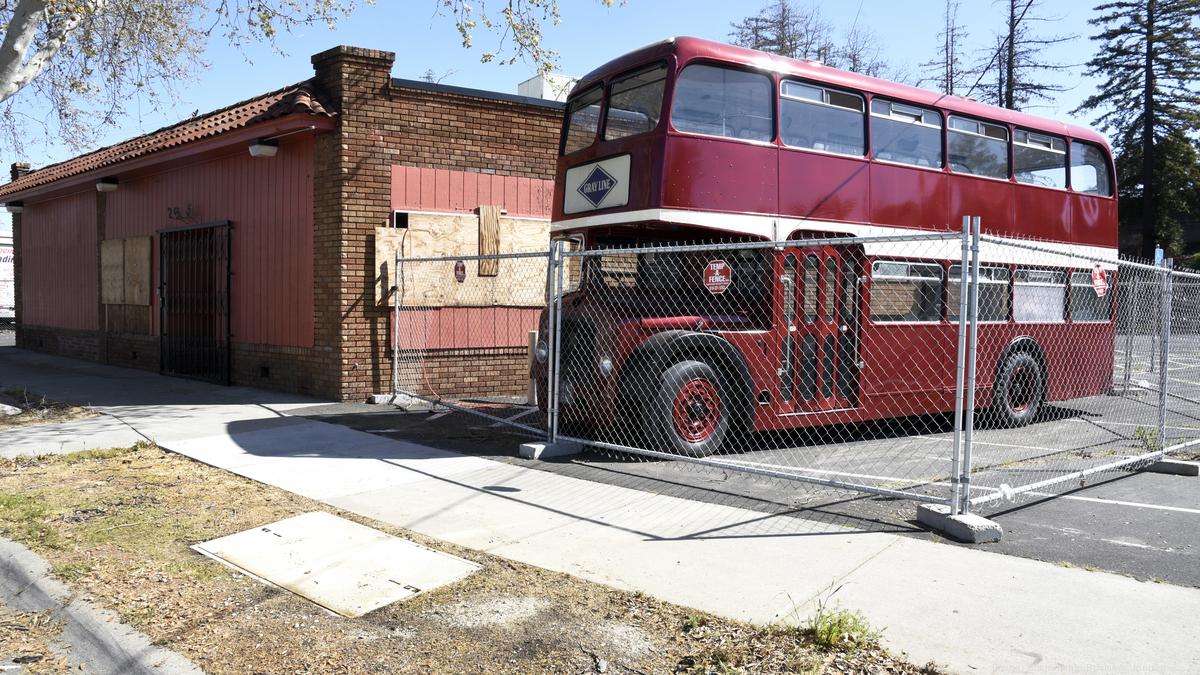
(261, 147)
(15, 207)
(106, 184)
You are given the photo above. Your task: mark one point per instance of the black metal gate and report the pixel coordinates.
(194, 280)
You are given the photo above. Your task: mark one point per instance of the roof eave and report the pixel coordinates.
(274, 127)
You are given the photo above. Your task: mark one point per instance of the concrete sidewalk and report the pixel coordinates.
(967, 609)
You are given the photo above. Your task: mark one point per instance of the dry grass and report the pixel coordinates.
(117, 526)
(37, 409)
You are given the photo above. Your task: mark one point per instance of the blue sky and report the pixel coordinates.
(589, 35)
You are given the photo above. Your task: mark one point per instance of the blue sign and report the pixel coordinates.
(597, 186)
(1158, 256)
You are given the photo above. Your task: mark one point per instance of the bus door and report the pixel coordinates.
(820, 368)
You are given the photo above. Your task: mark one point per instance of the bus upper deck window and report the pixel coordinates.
(906, 134)
(1039, 159)
(978, 148)
(635, 103)
(723, 102)
(1089, 169)
(821, 119)
(583, 118)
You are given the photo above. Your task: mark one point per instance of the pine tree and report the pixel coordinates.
(1149, 61)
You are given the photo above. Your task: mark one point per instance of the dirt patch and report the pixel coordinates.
(37, 409)
(117, 526)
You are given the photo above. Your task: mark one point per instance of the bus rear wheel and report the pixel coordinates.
(688, 413)
(1020, 390)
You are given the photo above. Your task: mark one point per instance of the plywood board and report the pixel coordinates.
(489, 239)
(518, 282)
(112, 271)
(137, 271)
(345, 567)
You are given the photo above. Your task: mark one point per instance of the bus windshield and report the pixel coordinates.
(634, 107)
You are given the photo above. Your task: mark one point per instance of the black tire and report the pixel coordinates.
(1020, 390)
(688, 410)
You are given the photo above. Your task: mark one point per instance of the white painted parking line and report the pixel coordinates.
(1126, 424)
(1095, 500)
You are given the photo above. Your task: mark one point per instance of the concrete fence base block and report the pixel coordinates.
(1175, 467)
(544, 450)
(968, 528)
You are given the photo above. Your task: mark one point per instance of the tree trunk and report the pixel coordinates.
(1149, 191)
(1010, 65)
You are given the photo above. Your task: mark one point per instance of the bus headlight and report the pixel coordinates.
(606, 366)
(541, 352)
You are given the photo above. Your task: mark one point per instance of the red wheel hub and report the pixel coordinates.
(1022, 388)
(697, 410)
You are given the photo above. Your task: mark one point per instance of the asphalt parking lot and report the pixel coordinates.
(1133, 523)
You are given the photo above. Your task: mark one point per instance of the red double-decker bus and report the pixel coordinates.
(692, 141)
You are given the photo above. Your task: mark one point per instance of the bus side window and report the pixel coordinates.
(821, 119)
(993, 293)
(1040, 296)
(1085, 304)
(1039, 159)
(1089, 170)
(906, 134)
(905, 291)
(724, 102)
(978, 148)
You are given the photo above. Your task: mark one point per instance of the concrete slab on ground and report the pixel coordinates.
(968, 609)
(338, 564)
(66, 437)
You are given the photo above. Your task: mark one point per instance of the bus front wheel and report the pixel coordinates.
(1020, 390)
(688, 413)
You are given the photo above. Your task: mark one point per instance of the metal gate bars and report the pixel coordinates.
(194, 291)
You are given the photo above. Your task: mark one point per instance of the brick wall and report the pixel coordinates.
(465, 374)
(381, 123)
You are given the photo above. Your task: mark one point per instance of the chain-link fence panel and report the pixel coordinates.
(1181, 422)
(1068, 370)
(466, 334)
(825, 360)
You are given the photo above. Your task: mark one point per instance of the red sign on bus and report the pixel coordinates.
(1099, 281)
(717, 276)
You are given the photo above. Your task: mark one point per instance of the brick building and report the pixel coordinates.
(240, 245)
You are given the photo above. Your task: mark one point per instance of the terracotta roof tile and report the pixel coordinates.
(302, 98)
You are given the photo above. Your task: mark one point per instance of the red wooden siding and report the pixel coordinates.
(59, 262)
(270, 203)
(466, 327)
(420, 189)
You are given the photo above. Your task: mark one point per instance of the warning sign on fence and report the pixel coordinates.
(717, 276)
(1099, 280)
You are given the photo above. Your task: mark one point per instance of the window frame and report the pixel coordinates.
(741, 68)
(941, 129)
(952, 279)
(1065, 152)
(1108, 169)
(602, 130)
(825, 89)
(567, 115)
(1065, 286)
(1108, 297)
(940, 278)
(1008, 145)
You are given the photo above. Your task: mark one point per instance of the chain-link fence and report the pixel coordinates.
(833, 360)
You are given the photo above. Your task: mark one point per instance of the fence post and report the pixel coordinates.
(972, 350)
(1124, 317)
(396, 325)
(960, 369)
(1164, 351)
(554, 325)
